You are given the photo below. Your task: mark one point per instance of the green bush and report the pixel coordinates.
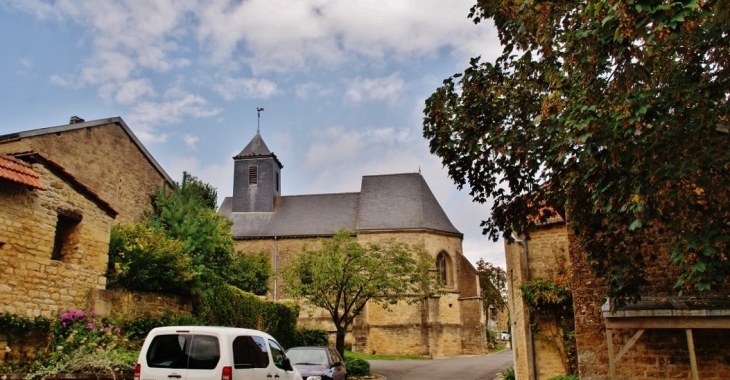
(311, 337)
(82, 343)
(226, 305)
(357, 367)
(566, 377)
(144, 259)
(249, 272)
(138, 328)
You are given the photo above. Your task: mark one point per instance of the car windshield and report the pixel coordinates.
(307, 357)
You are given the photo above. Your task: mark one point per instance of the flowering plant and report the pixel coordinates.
(81, 342)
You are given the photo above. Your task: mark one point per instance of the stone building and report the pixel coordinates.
(104, 155)
(54, 237)
(662, 336)
(394, 206)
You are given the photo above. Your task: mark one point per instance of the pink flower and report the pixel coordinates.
(90, 326)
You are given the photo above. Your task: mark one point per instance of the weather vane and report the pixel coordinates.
(258, 123)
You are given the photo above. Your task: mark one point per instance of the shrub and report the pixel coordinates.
(226, 305)
(250, 272)
(82, 343)
(566, 377)
(144, 259)
(138, 328)
(311, 337)
(357, 367)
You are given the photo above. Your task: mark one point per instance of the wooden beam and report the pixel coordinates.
(611, 360)
(629, 344)
(692, 356)
(720, 322)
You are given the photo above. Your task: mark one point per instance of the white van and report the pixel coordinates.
(212, 353)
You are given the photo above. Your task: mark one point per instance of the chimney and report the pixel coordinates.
(76, 119)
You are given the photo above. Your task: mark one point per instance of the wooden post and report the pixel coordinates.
(611, 362)
(692, 356)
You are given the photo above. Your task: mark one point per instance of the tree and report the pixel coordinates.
(614, 111)
(342, 276)
(187, 213)
(493, 284)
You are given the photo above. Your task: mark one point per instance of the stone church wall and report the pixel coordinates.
(436, 327)
(31, 283)
(105, 159)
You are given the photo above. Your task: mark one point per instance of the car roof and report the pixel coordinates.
(228, 331)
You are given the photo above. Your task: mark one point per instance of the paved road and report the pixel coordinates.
(485, 367)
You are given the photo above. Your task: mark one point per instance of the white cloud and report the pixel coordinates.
(247, 88)
(176, 105)
(60, 81)
(128, 92)
(389, 89)
(305, 90)
(191, 140)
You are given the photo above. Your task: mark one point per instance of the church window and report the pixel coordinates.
(66, 225)
(253, 175)
(277, 182)
(443, 268)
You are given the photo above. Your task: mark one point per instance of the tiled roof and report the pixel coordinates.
(386, 202)
(14, 170)
(60, 172)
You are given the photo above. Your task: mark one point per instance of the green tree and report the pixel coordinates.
(145, 259)
(342, 275)
(614, 110)
(250, 272)
(186, 213)
(493, 284)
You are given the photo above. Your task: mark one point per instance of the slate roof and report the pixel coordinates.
(257, 148)
(385, 203)
(14, 170)
(90, 124)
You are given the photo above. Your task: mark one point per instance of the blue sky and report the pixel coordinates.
(343, 84)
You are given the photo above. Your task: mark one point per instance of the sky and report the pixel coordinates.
(342, 84)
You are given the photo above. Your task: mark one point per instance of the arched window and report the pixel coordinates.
(443, 268)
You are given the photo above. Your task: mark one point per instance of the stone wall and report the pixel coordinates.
(124, 304)
(659, 353)
(437, 327)
(105, 159)
(31, 283)
(545, 248)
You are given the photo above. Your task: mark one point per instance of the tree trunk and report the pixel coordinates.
(340, 341)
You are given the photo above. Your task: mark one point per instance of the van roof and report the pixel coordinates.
(228, 331)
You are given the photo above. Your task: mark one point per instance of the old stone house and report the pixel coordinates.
(58, 201)
(54, 237)
(663, 336)
(104, 155)
(393, 206)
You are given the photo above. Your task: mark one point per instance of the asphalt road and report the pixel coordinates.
(462, 368)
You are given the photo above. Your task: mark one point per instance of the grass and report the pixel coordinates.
(357, 355)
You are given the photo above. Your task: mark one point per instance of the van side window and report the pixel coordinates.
(277, 354)
(261, 352)
(248, 354)
(168, 351)
(204, 353)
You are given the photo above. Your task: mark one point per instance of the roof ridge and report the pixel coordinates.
(390, 174)
(320, 194)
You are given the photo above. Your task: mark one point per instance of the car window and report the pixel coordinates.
(248, 353)
(204, 352)
(335, 356)
(262, 352)
(277, 354)
(168, 351)
(305, 356)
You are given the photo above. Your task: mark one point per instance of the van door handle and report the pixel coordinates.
(276, 376)
(268, 376)
(174, 375)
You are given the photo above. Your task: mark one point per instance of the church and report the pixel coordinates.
(388, 206)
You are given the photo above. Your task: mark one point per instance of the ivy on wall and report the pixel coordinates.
(550, 303)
